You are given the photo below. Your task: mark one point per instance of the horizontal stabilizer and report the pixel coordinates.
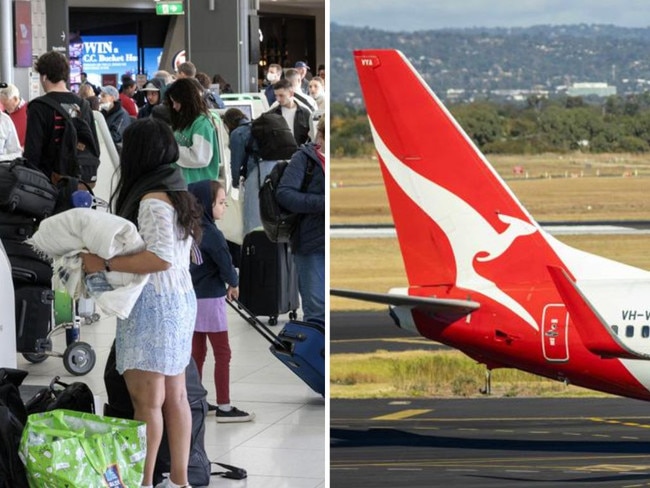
(446, 306)
(596, 335)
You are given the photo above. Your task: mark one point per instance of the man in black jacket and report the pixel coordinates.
(44, 124)
(297, 117)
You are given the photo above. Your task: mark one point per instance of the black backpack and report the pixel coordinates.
(273, 136)
(12, 470)
(74, 396)
(78, 150)
(279, 224)
(12, 420)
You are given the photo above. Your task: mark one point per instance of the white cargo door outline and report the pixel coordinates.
(555, 333)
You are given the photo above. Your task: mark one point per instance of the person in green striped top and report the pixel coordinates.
(194, 130)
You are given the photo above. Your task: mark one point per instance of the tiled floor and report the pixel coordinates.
(284, 447)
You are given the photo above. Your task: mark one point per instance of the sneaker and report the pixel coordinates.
(212, 407)
(165, 484)
(234, 415)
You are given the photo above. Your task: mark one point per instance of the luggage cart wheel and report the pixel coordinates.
(79, 358)
(273, 320)
(293, 315)
(35, 357)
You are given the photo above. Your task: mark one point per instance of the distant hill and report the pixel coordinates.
(493, 62)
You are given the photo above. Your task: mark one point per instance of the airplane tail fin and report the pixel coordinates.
(453, 213)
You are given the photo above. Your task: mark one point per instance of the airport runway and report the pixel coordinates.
(601, 227)
(490, 442)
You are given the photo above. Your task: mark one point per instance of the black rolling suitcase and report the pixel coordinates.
(268, 280)
(33, 317)
(27, 267)
(300, 346)
(16, 227)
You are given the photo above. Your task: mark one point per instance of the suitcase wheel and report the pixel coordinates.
(293, 315)
(79, 358)
(273, 320)
(35, 357)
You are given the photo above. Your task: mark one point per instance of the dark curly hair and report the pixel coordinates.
(189, 93)
(54, 65)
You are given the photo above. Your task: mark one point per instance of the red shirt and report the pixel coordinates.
(129, 105)
(19, 118)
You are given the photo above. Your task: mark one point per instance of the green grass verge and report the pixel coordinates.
(418, 373)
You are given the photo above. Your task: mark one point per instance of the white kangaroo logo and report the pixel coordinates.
(516, 228)
(440, 204)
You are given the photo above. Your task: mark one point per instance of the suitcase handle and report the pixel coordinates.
(258, 325)
(294, 337)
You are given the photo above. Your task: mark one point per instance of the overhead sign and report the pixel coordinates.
(169, 8)
(109, 55)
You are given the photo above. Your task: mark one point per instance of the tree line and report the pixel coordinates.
(615, 124)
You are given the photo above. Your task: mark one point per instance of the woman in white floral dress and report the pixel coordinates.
(153, 345)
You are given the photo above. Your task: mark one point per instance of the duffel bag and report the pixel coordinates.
(26, 191)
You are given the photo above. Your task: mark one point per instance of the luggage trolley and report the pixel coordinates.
(66, 314)
(79, 357)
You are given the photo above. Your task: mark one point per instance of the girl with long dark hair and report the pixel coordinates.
(154, 344)
(194, 130)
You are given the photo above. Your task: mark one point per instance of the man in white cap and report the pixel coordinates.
(302, 68)
(116, 117)
(153, 92)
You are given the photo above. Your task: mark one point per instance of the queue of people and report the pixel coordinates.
(168, 187)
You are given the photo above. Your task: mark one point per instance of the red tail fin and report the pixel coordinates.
(452, 211)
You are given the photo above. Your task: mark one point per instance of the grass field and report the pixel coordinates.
(601, 193)
(552, 188)
(420, 373)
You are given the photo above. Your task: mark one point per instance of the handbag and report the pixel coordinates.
(232, 223)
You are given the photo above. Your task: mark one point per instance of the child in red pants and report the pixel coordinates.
(214, 280)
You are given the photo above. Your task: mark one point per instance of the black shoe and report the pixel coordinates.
(211, 407)
(234, 415)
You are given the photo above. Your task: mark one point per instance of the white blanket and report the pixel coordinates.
(64, 236)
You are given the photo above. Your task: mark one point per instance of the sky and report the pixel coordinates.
(412, 15)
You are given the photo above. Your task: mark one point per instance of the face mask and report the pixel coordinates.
(105, 106)
(271, 78)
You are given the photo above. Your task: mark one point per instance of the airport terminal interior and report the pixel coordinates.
(284, 446)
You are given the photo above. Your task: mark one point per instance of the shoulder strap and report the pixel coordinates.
(53, 104)
(309, 174)
(232, 472)
(214, 124)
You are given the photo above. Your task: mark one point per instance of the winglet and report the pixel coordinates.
(592, 329)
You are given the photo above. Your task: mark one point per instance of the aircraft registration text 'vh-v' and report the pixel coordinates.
(483, 276)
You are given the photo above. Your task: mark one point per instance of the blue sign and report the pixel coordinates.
(109, 55)
(152, 57)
